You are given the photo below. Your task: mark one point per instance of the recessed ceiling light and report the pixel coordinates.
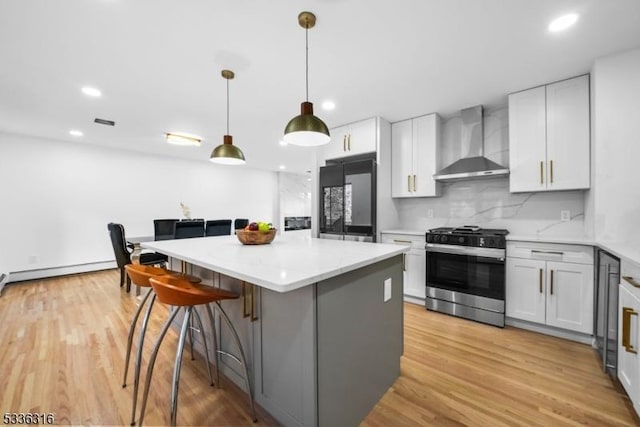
(281, 142)
(328, 105)
(184, 139)
(91, 91)
(75, 132)
(563, 22)
(282, 167)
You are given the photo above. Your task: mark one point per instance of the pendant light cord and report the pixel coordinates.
(227, 106)
(306, 37)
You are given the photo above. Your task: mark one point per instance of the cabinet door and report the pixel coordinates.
(362, 137)
(426, 132)
(415, 273)
(568, 152)
(527, 139)
(337, 147)
(570, 296)
(525, 291)
(628, 309)
(401, 158)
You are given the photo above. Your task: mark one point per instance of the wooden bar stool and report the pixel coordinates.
(181, 293)
(140, 275)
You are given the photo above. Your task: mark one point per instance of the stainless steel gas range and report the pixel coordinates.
(466, 273)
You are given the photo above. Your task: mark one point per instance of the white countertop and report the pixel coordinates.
(286, 264)
(569, 240)
(405, 231)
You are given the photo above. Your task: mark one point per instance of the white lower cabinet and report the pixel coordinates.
(543, 288)
(415, 262)
(629, 342)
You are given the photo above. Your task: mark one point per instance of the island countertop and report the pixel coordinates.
(286, 264)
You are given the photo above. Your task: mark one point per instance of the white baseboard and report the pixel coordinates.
(550, 330)
(20, 276)
(414, 300)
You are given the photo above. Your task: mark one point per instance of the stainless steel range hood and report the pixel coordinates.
(474, 165)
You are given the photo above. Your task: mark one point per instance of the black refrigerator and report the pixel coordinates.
(606, 318)
(348, 199)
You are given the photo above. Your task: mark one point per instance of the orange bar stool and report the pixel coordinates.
(140, 275)
(181, 293)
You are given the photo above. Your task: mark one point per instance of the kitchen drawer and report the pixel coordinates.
(577, 254)
(414, 241)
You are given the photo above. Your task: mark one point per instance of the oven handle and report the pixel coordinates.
(498, 254)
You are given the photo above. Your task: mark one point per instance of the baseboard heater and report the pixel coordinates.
(20, 276)
(4, 278)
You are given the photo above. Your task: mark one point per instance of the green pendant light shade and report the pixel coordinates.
(306, 129)
(227, 153)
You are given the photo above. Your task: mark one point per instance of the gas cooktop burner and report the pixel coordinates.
(468, 235)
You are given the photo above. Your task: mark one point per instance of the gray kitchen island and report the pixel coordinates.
(321, 320)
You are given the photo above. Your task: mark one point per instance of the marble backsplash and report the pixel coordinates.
(294, 191)
(487, 202)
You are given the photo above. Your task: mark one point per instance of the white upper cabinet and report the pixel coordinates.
(414, 145)
(348, 140)
(549, 137)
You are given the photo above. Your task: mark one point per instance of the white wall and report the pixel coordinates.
(616, 204)
(488, 202)
(58, 197)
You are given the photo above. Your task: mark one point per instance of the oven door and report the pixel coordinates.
(475, 271)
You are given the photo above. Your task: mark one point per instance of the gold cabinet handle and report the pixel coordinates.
(414, 183)
(627, 312)
(540, 280)
(409, 183)
(551, 171)
(402, 241)
(541, 172)
(404, 262)
(349, 142)
(245, 311)
(344, 142)
(551, 282)
(248, 312)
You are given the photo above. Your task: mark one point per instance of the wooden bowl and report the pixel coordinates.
(256, 237)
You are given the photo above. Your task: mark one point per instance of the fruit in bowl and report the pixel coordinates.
(257, 233)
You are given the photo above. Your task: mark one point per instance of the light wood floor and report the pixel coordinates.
(63, 343)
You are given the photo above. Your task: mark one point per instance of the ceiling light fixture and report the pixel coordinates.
(563, 22)
(227, 153)
(306, 129)
(183, 139)
(91, 91)
(328, 105)
(75, 132)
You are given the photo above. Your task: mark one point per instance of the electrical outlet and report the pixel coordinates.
(387, 289)
(565, 215)
(429, 213)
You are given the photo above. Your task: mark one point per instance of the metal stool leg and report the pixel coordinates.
(152, 361)
(191, 339)
(136, 379)
(186, 327)
(130, 339)
(204, 340)
(216, 354)
(247, 379)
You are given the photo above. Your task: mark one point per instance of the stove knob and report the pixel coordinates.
(460, 239)
(444, 239)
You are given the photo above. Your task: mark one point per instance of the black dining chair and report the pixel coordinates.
(188, 229)
(218, 227)
(240, 223)
(163, 228)
(123, 253)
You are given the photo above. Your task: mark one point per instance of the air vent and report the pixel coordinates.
(105, 122)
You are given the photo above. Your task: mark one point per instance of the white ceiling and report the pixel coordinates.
(158, 64)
